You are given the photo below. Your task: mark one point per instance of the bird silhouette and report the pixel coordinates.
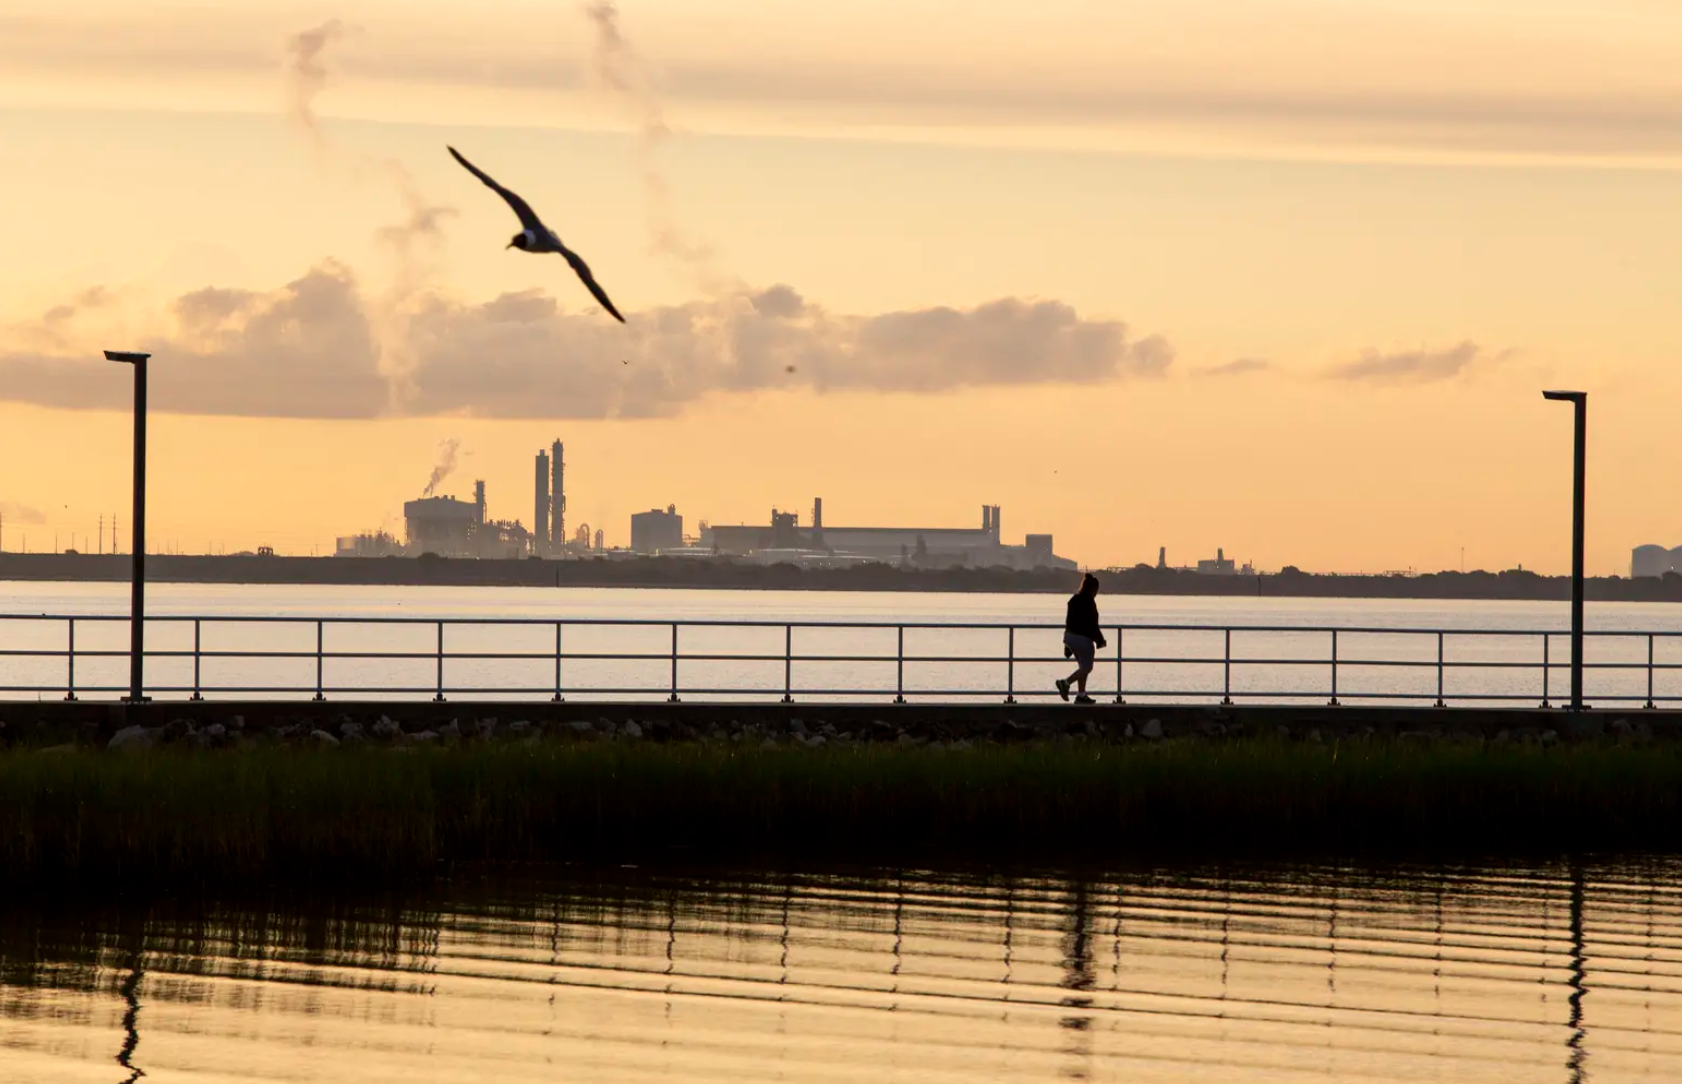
(535, 237)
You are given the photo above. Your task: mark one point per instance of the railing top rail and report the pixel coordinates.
(715, 622)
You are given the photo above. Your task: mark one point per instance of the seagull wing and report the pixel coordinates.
(528, 217)
(583, 271)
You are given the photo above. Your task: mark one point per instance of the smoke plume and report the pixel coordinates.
(306, 75)
(422, 223)
(618, 67)
(446, 464)
(411, 242)
(14, 513)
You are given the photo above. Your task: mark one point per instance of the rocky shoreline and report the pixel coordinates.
(816, 729)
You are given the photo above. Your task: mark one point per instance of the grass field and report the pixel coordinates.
(190, 818)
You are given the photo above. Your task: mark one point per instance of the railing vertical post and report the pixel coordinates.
(1226, 667)
(320, 641)
(558, 696)
(1010, 665)
(1546, 639)
(788, 664)
(439, 696)
(673, 698)
(899, 659)
(1650, 703)
(197, 691)
(1120, 689)
(1334, 669)
(70, 661)
(1441, 703)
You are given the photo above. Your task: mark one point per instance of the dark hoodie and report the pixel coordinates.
(1083, 618)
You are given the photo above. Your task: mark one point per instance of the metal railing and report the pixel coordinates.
(689, 652)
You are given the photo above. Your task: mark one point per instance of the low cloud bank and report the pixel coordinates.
(1410, 366)
(312, 349)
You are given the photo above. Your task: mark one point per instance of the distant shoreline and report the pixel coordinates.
(688, 573)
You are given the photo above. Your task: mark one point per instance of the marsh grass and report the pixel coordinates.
(374, 815)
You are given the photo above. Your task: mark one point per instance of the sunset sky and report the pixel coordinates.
(1280, 276)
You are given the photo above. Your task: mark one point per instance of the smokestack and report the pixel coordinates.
(1162, 557)
(817, 513)
(479, 498)
(996, 535)
(540, 516)
(987, 517)
(558, 495)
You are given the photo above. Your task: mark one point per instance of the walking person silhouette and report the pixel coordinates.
(1081, 638)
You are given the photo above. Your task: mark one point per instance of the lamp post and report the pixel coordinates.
(137, 531)
(1580, 401)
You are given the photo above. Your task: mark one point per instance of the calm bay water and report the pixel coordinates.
(1273, 664)
(1558, 973)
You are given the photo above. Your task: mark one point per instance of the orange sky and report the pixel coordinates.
(1281, 276)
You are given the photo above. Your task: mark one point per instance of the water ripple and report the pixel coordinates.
(1569, 972)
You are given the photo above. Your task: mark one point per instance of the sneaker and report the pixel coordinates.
(1084, 699)
(1063, 688)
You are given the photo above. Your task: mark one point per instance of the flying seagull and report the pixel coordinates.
(536, 237)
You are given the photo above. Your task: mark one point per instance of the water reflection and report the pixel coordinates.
(1241, 973)
(1574, 1063)
(131, 1019)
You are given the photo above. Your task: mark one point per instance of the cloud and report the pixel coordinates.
(305, 350)
(1237, 368)
(14, 513)
(310, 350)
(1412, 366)
(1352, 80)
(94, 297)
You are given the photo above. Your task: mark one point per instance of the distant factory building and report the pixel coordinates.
(368, 544)
(1655, 561)
(1222, 565)
(654, 530)
(450, 528)
(928, 547)
(441, 525)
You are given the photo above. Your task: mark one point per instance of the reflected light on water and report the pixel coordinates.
(1555, 973)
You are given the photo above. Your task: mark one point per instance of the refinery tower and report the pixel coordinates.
(549, 515)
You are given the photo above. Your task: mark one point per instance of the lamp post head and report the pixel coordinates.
(1566, 396)
(125, 355)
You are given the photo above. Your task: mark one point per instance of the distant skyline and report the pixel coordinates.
(1280, 276)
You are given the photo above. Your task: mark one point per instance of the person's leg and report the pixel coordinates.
(1085, 655)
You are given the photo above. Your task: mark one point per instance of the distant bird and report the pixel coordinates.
(536, 237)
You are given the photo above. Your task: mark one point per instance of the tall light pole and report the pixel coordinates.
(137, 531)
(1580, 401)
